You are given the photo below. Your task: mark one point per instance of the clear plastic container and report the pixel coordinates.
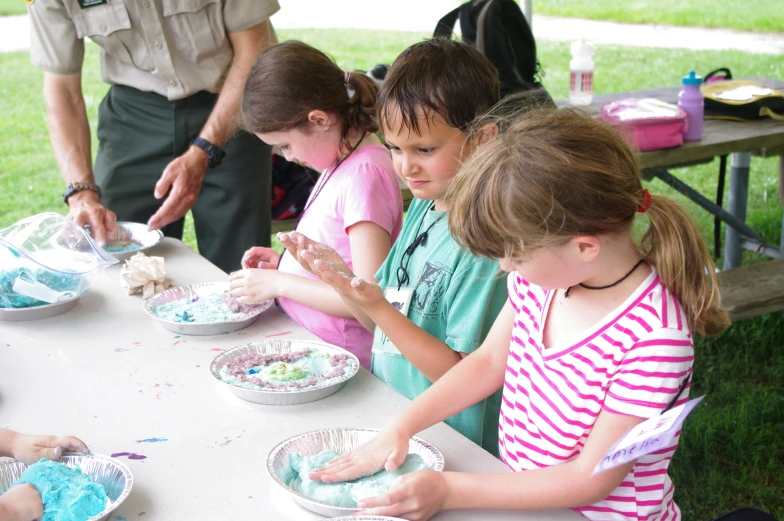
(47, 258)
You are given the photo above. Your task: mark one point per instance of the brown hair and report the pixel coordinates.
(557, 174)
(292, 78)
(439, 76)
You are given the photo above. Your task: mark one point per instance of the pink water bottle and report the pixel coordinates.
(692, 102)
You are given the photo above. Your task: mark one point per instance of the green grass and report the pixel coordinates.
(732, 452)
(8, 7)
(756, 15)
(750, 15)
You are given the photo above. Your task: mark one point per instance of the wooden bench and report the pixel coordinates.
(288, 224)
(753, 290)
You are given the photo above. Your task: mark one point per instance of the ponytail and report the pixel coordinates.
(673, 245)
(360, 113)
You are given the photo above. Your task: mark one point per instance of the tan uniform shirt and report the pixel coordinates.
(173, 47)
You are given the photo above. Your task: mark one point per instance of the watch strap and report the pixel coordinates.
(79, 187)
(215, 154)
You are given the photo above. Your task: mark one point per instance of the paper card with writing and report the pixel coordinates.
(649, 436)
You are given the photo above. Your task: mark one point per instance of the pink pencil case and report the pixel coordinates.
(648, 123)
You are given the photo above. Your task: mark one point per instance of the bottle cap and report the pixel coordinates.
(581, 47)
(692, 79)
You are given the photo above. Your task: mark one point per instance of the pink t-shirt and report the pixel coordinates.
(363, 188)
(633, 362)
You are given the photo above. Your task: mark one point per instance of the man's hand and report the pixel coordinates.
(184, 176)
(86, 208)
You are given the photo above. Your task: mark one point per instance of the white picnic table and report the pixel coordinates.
(107, 372)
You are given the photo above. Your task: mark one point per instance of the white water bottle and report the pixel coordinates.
(581, 73)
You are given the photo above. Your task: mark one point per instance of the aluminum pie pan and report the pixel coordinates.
(201, 329)
(114, 475)
(280, 346)
(366, 518)
(340, 440)
(38, 312)
(135, 233)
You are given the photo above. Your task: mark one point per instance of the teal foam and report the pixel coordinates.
(68, 494)
(345, 494)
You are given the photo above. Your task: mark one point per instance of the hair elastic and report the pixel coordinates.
(349, 89)
(646, 201)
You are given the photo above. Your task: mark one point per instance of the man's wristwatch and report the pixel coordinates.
(78, 187)
(215, 154)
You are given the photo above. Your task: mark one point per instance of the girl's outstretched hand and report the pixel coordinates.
(260, 257)
(387, 450)
(29, 449)
(296, 243)
(21, 503)
(417, 496)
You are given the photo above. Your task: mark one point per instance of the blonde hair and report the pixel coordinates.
(557, 174)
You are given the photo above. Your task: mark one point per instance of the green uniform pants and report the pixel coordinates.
(139, 133)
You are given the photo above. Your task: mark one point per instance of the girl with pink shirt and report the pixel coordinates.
(296, 98)
(596, 336)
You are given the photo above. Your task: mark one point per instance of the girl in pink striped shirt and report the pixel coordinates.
(600, 328)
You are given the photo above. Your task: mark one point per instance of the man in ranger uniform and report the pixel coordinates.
(177, 70)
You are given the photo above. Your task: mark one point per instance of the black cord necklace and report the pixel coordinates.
(420, 240)
(328, 175)
(586, 286)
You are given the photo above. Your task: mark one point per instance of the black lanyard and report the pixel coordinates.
(421, 239)
(327, 175)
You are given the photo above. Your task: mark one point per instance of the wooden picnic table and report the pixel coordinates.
(721, 138)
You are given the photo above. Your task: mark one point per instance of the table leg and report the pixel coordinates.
(739, 191)
(781, 199)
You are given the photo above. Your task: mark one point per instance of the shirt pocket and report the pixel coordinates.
(109, 26)
(197, 25)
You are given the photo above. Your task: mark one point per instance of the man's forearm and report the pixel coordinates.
(248, 45)
(69, 129)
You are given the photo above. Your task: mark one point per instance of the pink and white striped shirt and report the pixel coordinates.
(633, 362)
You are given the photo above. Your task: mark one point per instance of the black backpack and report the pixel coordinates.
(291, 186)
(499, 30)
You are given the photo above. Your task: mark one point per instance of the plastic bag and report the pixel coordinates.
(47, 258)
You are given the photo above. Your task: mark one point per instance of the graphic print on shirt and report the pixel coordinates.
(426, 300)
(428, 291)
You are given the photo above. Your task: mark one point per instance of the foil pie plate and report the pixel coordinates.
(135, 233)
(342, 441)
(282, 397)
(366, 518)
(37, 312)
(115, 477)
(191, 291)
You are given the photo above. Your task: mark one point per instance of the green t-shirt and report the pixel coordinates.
(456, 298)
